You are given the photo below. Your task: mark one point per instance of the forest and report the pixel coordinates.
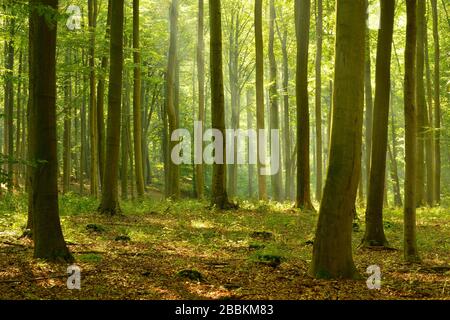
(224, 150)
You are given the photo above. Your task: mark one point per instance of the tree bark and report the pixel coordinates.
(374, 234)
(219, 192)
(137, 121)
(173, 187)
(302, 9)
(319, 150)
(199, 174)
(259, 50)
(332, 254)
(410, 242)
(421, 105)
(48, 238)
(92, 6)
(110, 199)
(437, 103)
(274, 105)
(101, 102)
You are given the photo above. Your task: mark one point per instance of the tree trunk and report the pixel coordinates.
(393, 156)
(67, 144)
(429, 142)
(251, 167)
(302, 9)
(319, 26)
(137, 121)
(259, 50)
(173, 187)
(287, 126)
(421, 105)
(9, 102)
(410, 242)
(374, 234)
(199, 174)
(110, 199)
(332, 254)
(274, 106)
(219, 192)
(49, 242)
(124, 145)
(92, 6)
(437, 103)
(101, 102)
(369, 105)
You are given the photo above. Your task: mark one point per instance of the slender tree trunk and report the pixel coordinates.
(49, 242)
(18, 151)
(393, 156)
(173, 187)
(410, 242)
(9, 102)
(92, 5)
(83, 151)
(199, 174)
(374, 234)
(101, 102)
(302, 8)
(274, 106)
(67, 145)
(110, 199)
(369, 106)
(429, 142)
(319, 26)
(137, 121)
(437, 103)
(219, 192)
(287, 126)
(421, 105)
(259, 49)
(332, 254)
(251, 167)
(125, 147)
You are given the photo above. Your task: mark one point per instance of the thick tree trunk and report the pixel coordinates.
(49, 242)
(374, 234)
(332, 254)
(259, 50)
(410, 242)
(110, 198)
(302, 9)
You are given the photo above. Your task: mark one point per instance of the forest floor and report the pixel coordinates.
(184, 250)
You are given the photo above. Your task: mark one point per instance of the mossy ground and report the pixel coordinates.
(140, 254)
